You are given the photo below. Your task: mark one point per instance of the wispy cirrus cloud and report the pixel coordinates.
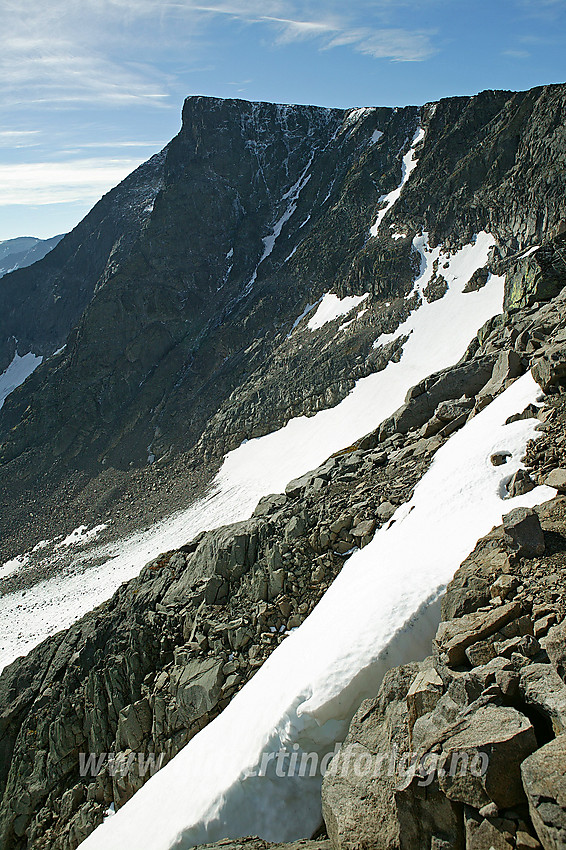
(39, 183)
(397, 44)
(105, 51)
(18, 138)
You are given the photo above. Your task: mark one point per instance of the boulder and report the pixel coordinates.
(523, 532)
(520, 484)
(449, 410)
(385, 511)
(483, 756)
(544, 781)
(537, 277)
(294, 529)
(295, 487)
(555, 645)
(269, 504)
(557, 479)
(500, 458)
(477, 281)
(550, 367)
(543, 689)
(466, 379)
(363, 528)
(503, 586)
(134, 723)
(508, 366)
(482, 834)
(358, 790)
(424, 693)
(197, 687)
(453, 637)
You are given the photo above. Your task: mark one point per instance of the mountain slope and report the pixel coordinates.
(170, 335)
(284, 275)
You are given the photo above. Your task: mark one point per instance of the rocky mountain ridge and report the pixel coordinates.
(216, 364)
(146, 671)
(187, 297)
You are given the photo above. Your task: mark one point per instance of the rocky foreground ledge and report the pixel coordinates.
(491, 696)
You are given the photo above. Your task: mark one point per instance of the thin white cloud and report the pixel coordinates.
(39, 183)
(18, 138)
(516, 54)
(66, 52)
(399, 45)
(120, 144)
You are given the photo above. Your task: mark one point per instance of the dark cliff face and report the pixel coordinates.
(178, 292)
(40, 304)
(162, 341)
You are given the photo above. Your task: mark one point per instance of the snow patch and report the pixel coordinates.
(79, 536)
(331, 307)
(351, 321)
(14, 565)
(381, 610)
(19, 369)
(292, 195)
(409, 164)
(375, 137)
(528, 252)
(305, 312)
(427, 320)
(357, 113)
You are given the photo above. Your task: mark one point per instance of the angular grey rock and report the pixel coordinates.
(359, 809)
(424, 693)
(557, 479)
(555, 645)
(483, 834)
(493, 738)
(294, 529)
(385, 511)
(523, 532)
(134, 723)
(453, 637)
(543, 689)
(464, 380)
(520, 484)
(550, 368)
(503, 586)
(507, 367)
(544, 780)
(269, 504)
(295, 487)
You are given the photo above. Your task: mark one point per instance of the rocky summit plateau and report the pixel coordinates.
(283, 489)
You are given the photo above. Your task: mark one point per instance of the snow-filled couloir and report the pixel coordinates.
(381, 611)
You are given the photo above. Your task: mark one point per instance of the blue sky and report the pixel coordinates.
(91, 88)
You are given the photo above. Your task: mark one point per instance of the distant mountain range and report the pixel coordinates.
(23, 251)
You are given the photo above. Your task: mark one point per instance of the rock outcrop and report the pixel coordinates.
(478, 727)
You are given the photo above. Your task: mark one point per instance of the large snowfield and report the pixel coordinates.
(265, 465)
(381, 610)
